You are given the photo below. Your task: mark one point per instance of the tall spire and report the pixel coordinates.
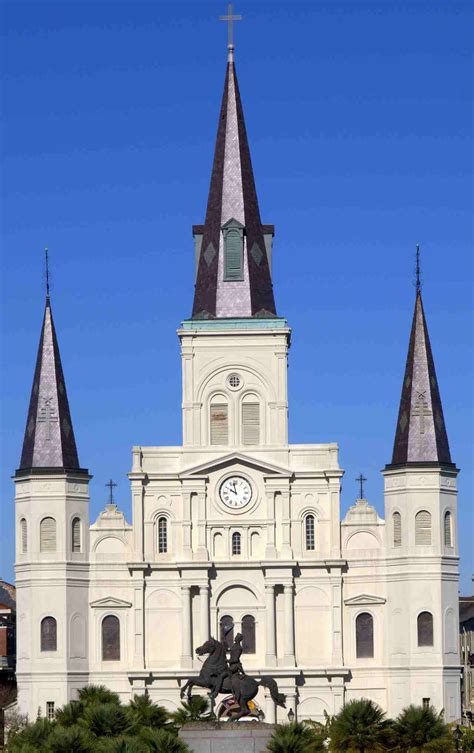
(421, 432)
(232, 210)
(49, 443)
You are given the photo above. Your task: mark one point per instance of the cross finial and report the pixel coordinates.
(418, 277)
(230, 18)
(361, 480)
(46, 262)
(111, 485)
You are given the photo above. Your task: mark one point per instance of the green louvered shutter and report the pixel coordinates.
(233, 255)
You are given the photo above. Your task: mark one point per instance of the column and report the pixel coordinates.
(204, 606)
(289, 638)
(270, 654)
(138, 493)
(202, 552)
(139, 619)
(186, 657)
(270, 709)
(291, 704)
(186, 525)
(336, 589)
(286, 550)
(270, 551)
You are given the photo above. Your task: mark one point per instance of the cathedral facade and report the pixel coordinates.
(237, 530)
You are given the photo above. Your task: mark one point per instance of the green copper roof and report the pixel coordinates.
(216, 324)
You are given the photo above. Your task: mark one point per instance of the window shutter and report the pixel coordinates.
(397, 529)
(233, 255)
(24, 536)
(110, 638)
(48, 535)
(250, 423)
(447, 530)
(219, 424)
(248, 633)
(48, 634)
(425, 629)
(423, 528)
(76, 535)
(364, 636)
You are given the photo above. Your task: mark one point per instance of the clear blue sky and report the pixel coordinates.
(360, 123)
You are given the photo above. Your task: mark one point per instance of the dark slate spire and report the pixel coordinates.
(49, 443)
(421, 432)
(232, 196)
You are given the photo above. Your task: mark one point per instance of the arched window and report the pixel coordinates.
(76, 535)
(448, 538)
(425, 629)
(250, 420)
(48, 535)
(162, 535)
(110, 638)
(364, 636)
(423, 528)
(226, 626)
(236, 543)
(233, 233)
(248, 632)
(219, 421)
(309, 533)
(49, 634)
(397, 529)
(24, 535)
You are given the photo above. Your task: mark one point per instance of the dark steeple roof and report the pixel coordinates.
(49, 443)
(421, 432)
(232, 195)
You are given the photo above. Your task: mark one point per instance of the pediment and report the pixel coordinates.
(111, 602)
(236, 457)
(364, 600)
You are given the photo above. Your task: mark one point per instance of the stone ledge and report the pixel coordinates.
(227, 737)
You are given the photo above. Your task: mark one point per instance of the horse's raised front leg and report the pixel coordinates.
(185, 688)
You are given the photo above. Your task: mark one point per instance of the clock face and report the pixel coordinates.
(235, 492)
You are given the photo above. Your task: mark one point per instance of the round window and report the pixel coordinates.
(234, 381)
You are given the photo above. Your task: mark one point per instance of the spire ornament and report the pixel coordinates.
(46, 263)
(418, 276)
(230, 18)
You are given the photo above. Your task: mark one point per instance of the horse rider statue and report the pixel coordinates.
(234, 670)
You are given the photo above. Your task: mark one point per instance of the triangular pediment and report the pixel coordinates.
(241, 459)
(364, 600)
(111, 602)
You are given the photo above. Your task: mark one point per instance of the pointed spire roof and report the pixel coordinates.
(49, 443)
(421, 432)
(233, 196)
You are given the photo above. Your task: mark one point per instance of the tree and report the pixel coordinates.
(69, 714)
(360, 727)
(191, 711)
(145, 713)
(296, 737)
(72, 739)
(106, 720)
(123, 744)
(92, 694)
(162, 741)
(422, 730)
(32, 738)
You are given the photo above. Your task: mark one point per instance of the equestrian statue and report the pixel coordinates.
(221, 675)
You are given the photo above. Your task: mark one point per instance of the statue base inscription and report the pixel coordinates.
(227, 737)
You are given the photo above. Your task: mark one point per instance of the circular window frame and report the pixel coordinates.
(233, 387)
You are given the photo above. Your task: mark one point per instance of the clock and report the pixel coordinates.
(235, 492)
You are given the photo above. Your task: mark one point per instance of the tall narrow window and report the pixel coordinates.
(76, 535)
(24, 535)
(309, 532)
(423, 528)
(250, 423)
(219, 422)
(110, 638)
(49, 634)
(50, 710)
(48, 535)
(236, 543)
(397, 529)
(448, 539)
(233, 250)
(162, 535)
(248, 632)
(364, 636)
(425, 629)
(226, 625)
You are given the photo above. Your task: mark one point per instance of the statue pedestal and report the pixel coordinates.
(227, 737)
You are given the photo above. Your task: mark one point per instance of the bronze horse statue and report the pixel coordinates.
(243, 687)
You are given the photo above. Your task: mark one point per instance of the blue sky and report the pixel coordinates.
(359, 117)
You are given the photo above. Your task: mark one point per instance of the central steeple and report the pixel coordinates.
(233, 247)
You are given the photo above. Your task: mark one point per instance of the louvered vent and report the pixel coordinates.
(397, 529)
(447, 530)
(48, 535)
(76, 535)
(233, 247)
(24, 536)
(219, 424)
(423, 528)
(250, 423)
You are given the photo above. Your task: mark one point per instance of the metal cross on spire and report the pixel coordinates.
(361, 480)
(230, 18)
(46, 261)
(111, 485)
(418, 277)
